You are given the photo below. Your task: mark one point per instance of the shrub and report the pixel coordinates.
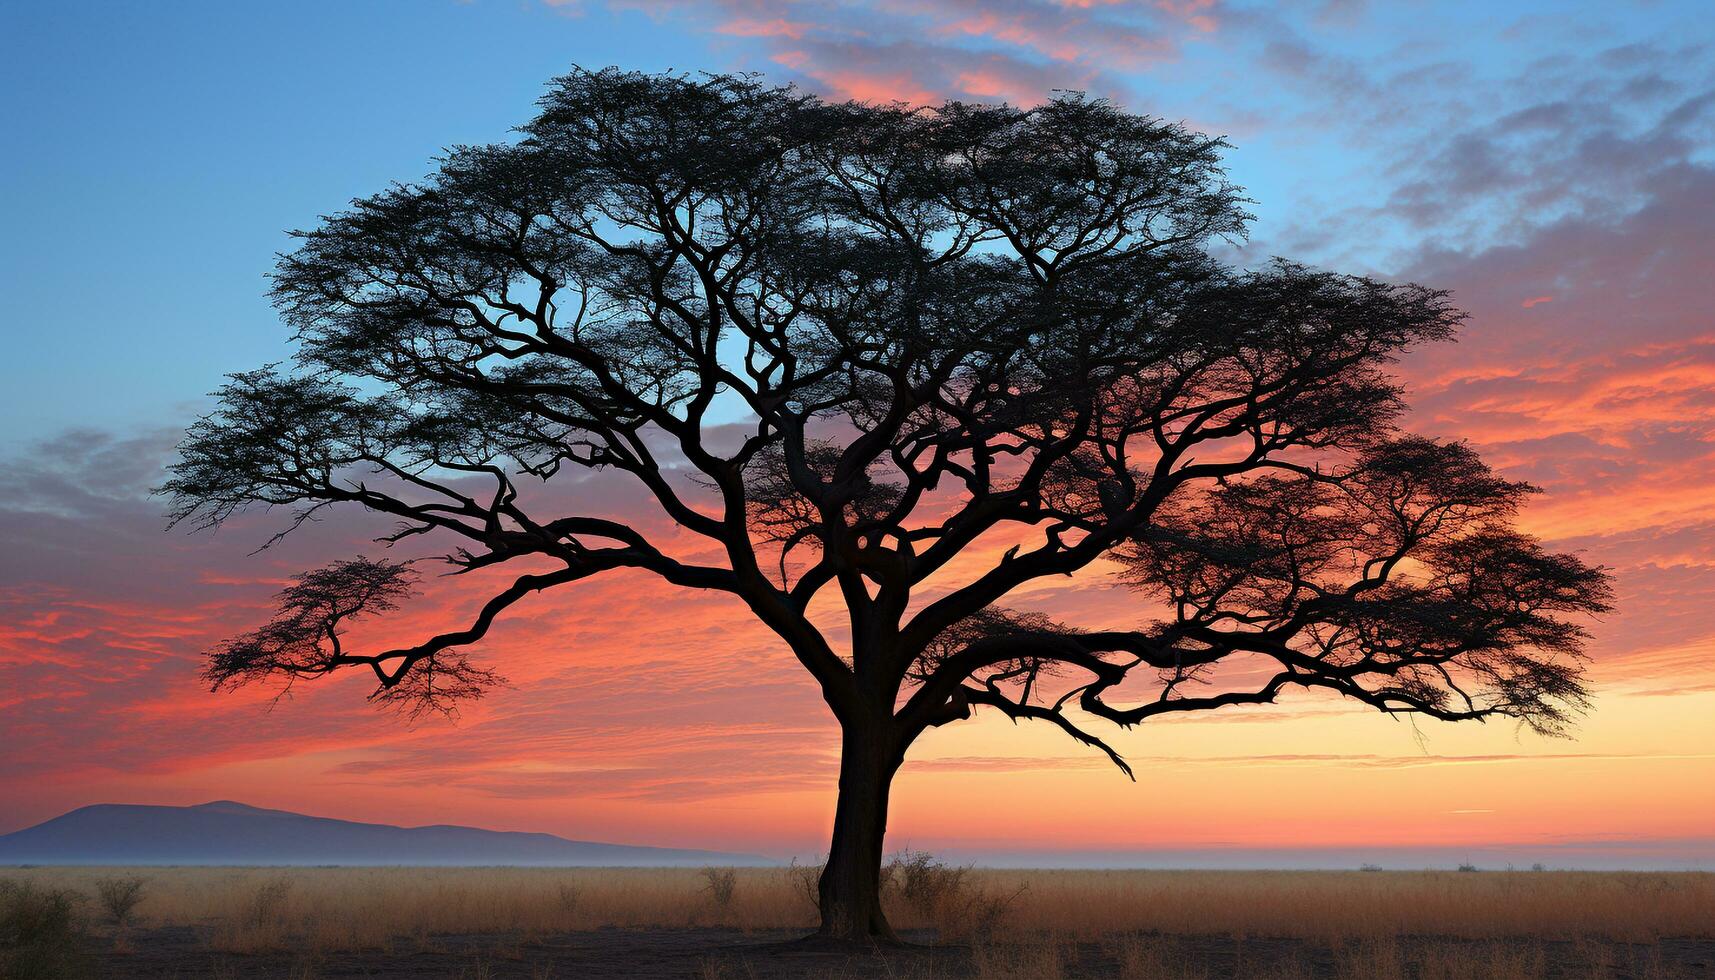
(979, 915)
(119, 896)
(947, 896)
(1468, 867)
(268, 903)
(258, 923)
(569, 896)
(39, 933)
(806, 882)
(925, 884)
(720, 883)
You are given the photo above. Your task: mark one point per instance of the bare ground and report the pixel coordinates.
(729, 954)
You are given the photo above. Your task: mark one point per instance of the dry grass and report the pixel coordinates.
(1333, 905)
(1360, 914)
(1043, 960)
(1155, 958)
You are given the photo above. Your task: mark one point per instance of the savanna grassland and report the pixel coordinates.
(738, 923)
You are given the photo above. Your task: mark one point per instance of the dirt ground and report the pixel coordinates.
(726, 954)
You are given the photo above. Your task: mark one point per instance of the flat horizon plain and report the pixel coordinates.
(988, 923)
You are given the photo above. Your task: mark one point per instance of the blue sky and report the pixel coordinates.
(160, 151)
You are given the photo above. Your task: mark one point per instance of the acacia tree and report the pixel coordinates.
(845, 343)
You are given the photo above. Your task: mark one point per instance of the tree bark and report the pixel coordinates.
(851, 881)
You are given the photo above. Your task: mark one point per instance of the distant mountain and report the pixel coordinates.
(230, 833)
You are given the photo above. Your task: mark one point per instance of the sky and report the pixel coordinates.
(1551, 164)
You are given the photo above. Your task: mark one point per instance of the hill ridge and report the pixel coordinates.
(229, 832)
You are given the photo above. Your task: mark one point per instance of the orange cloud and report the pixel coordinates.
(631, 700)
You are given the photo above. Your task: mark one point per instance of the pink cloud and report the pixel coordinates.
(773, 27)
(886, 50)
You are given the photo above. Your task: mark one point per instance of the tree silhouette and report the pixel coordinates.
(846, 343)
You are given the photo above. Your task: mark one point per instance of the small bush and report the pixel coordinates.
(720, 883)
(1468, 867)
(806, 881)
(979, 915)
(258, 924)
(946, 895)
(1369, 867)
(268, 903)
(119, 896)
(39, 932)
(569, 896)
(925, 884)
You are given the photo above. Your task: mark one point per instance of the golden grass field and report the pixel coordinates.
(1492, 923)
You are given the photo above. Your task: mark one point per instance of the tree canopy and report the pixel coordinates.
(844, 343)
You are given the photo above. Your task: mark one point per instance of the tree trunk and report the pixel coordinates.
(851, 881)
